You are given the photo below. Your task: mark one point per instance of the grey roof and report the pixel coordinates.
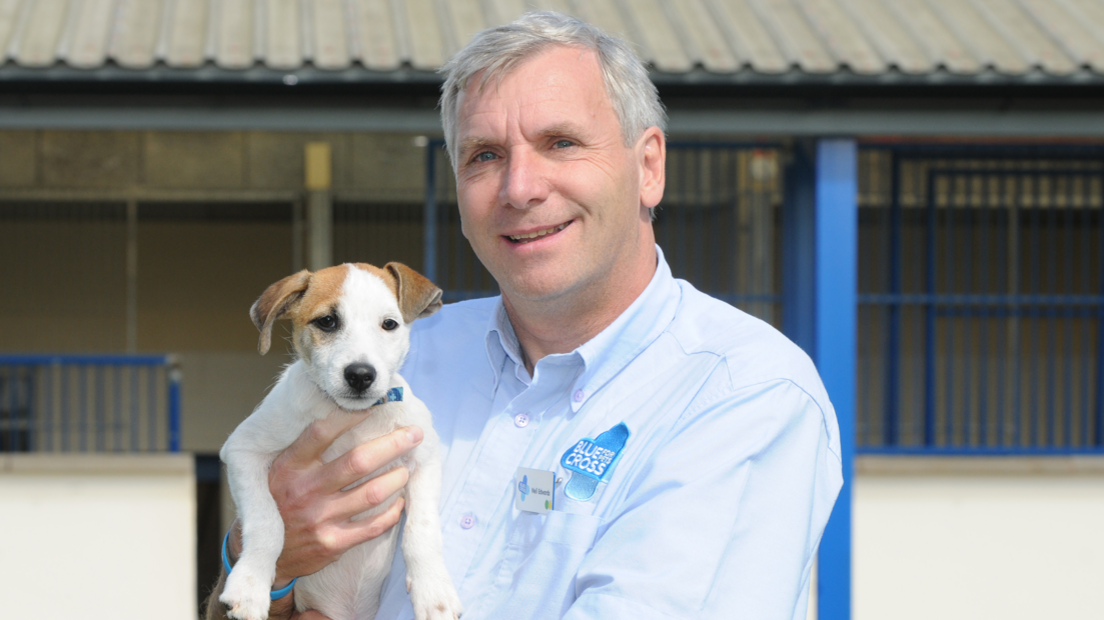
(773, 40)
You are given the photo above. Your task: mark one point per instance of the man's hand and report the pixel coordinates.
(316, 511)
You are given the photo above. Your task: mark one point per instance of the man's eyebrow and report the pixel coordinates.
(564, 129)
(470, 144)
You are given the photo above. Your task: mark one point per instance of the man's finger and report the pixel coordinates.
(369, 495)
(368, 528)
(369, 457)
(317, 437)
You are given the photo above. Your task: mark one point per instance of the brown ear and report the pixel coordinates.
(274, 303)
(418, 297)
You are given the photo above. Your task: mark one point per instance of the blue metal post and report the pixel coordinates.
(174, 406)
(836, 295)
(798, 242)
(820, 304)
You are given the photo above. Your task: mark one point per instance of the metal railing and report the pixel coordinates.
(981, 301)
(89, 403)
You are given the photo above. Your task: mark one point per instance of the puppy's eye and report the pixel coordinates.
(326, 323)
(390, 324)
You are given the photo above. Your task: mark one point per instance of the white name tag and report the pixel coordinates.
(534, 490)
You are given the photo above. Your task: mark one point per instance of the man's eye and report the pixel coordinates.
(390, 324)
(326, 323)
(563, 144)
(484, 156)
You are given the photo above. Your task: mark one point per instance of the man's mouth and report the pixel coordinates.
(527, 237)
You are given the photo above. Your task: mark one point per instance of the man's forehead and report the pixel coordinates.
(566, 74)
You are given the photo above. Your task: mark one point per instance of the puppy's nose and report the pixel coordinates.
(359, 376)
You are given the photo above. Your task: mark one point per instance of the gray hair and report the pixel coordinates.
(496, 51)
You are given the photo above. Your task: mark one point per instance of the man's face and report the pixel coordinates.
(551, 199)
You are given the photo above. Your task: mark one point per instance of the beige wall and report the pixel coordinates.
(978, 538)
(105, 536)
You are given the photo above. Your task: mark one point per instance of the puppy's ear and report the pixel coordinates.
(418, 297)
(274, 303)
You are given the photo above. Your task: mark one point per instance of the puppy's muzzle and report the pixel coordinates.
(359, 377)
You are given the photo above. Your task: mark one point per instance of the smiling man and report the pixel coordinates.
(616, 444)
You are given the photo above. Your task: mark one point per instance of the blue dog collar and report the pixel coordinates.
(394, 395)
(276, 594)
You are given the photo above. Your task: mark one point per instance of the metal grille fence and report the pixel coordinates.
(717, 225)
(89, 403)
(981, 297)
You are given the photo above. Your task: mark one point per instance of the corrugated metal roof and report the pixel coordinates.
(1010, 39)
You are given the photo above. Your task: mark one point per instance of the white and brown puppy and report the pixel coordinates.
(351, 331)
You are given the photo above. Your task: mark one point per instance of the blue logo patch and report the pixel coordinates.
(592, 461)
(523, 487)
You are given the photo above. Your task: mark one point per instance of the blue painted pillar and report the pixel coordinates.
(820, 269)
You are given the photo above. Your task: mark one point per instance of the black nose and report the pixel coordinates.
(359, 376)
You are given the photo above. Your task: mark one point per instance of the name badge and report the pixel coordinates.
(535, 491)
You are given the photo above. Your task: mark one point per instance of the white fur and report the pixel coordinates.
(311, 389)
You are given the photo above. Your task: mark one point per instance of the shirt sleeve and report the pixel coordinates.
(725, 518)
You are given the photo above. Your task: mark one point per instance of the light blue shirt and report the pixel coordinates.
(713, 508)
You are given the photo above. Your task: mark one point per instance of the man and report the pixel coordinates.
(693, 452)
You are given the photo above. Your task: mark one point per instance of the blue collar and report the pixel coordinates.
(393, 395)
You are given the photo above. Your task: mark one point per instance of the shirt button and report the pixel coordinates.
(579, 396)
(521, 420)
(467, 521)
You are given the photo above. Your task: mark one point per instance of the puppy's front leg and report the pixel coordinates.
(248, 587)
(431, 591)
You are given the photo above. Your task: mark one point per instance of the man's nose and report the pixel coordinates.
(525, 184)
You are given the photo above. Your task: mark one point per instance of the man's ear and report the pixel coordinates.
(418, 297)
(275, 303)
(652, 151)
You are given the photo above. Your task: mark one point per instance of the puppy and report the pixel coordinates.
(351, 331)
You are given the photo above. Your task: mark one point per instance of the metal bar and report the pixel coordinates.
(48, 409)
(429, 214)
(82, 424)
(929, 321)
(1085, 325)
(100, 410)
(117, 409)
(173, 378)
(983, 219)
(132, 276)
(947, 299)
(9, 412)
(1013, 341)
(893, 328)
(976, 451)
(1098, 435)
(84, 360)
(1033, 343)
(135, 396)
(835, 329)
(64, 407)
(151, 417)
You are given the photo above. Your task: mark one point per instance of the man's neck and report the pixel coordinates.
(547, 327)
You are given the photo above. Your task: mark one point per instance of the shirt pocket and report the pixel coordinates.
(544, 554)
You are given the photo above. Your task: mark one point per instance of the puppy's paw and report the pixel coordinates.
(435, 599)
(246, 596)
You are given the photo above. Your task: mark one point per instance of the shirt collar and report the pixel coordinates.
(608, 352)
(632, 332)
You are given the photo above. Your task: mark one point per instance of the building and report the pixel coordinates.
(152, 183)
